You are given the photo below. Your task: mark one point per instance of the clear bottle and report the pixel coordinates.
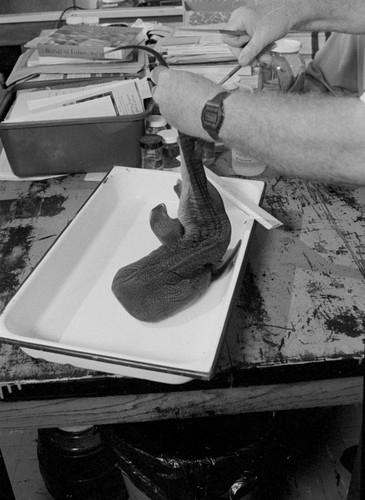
(282, 69)
(245, 165)
(155, 123)
(151, 151)
(171, 150)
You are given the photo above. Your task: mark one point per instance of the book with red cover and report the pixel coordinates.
(90, 42)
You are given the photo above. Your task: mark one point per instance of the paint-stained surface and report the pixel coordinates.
(32, 215)
(302, 297)
(303, 294)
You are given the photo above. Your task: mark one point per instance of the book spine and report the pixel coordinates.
(82, 52)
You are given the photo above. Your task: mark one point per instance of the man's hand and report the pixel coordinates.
(181, 96)
(264, 20)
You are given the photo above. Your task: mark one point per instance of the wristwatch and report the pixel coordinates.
(213, 114)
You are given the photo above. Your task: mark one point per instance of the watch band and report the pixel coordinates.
(213, 114)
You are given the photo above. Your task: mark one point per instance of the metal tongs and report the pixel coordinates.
(238, 67)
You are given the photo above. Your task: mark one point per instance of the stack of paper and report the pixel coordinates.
(112, 99)
(199, 49)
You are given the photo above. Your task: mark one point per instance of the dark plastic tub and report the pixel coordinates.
(73, 145)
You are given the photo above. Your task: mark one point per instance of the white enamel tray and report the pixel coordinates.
(65, 312)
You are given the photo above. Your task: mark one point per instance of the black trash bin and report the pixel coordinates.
(195, 459)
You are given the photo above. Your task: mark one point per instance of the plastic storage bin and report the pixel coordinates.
(73, 145)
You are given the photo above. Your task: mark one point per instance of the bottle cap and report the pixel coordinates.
(156, 121)
(169, 136)
(73, 20)
(287, 46)
(151, 141)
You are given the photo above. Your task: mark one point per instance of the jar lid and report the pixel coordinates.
(287, 46)
(151, 141)
(156, 121)
(169, 136)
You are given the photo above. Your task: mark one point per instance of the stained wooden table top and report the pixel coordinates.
(301, 303)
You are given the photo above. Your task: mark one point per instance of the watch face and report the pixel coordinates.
(213, 114)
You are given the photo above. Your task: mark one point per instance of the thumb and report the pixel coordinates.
(155, 73)
(250, 51)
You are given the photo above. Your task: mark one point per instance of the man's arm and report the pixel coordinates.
(268, 20)
(311, 136)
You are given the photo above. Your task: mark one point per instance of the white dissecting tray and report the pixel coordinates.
(65, 312)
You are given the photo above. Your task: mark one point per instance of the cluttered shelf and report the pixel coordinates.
(17, 29)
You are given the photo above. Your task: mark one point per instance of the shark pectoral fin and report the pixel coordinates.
(178, 187)
(168, 231)
(226, 263)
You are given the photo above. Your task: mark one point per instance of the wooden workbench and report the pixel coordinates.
(295, 338)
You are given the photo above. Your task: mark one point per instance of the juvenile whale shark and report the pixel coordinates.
(192, 250)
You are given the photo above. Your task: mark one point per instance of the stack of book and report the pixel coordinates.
(199, 49)
(82, 50)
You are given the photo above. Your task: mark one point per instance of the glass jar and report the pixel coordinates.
(151, 151)
(155, 123)
(282, 69)
(171, 150)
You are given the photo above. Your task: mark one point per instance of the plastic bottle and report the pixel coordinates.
(242, 164)
(171, 150)
(151, 151)
(155, 123)
(283, 68)
(245, 165)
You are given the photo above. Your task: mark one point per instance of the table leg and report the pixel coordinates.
(6, 488)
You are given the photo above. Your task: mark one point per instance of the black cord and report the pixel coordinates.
(60, 19)
(156, 54)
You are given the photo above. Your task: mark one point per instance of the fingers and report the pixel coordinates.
(235, 41)
(250, 51)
